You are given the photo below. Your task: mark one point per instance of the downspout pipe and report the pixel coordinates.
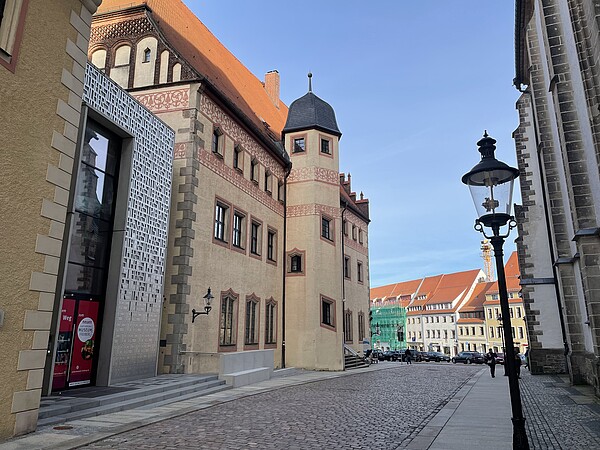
(344, 206)
(518, 85)
(284, 265)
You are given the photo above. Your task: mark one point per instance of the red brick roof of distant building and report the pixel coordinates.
(513, 276)
(477, 299)
(470, 320)
(395, 289)
(202, 50)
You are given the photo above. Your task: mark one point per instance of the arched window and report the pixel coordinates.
(147, 54)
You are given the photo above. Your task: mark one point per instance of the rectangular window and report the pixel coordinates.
(299, 145)
(359, 271)
(345, 226)
(360, 236)
(354, 232)
(217, 142)
(473, 331)
(511, 313)
(491, 332)
(519, 315)
(254, 171)
(325, 146)
(270, 318)
(251, 337)
(226, 333)
(460, 331)
(347, 267)
(489, 313)
(327, 312)
(221, 221)
(268, 181)
(296, 263)
(271, 245)
(239, 228)
(255, 238)
(326, 228)
(481, 331)
(348, 326)
(520, 332)
(237, 158)
(280, 191)
(361, 327)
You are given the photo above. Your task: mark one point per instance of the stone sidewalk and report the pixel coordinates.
(558, 416)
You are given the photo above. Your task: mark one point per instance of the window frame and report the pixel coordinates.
(254, 171)
(298, 150)
(238, 158)
(361, 326)
(295, 252)
(252, 324)
(226, 206)
(329, 140)
(243, 230)
(348, 331)
(347, 267)
(217, 141)
(228, 345)
(147, 55)
(272, 247)
(331, 228)
(272, 328)
(359, 272)
(14, 34)
(331, 325)
(268, 182)
(255, 250)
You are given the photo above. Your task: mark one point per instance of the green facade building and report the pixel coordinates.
(388, 326)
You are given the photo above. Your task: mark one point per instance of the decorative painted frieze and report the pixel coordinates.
(314, 209)
(314, 174)
(164, 101)
(215, 164)
(229, 126)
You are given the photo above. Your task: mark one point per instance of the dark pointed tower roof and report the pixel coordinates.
(310, 112)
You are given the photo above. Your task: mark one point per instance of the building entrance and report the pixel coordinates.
(76, 355)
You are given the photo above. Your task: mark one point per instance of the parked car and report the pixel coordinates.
(378, 355)
(499, 358)
(413, 354)
(438, 356)
(422, 356)
(469, 357)
(389, 355)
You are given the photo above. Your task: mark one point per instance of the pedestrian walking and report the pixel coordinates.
(490, 359)
(518, 362)
(407, 356)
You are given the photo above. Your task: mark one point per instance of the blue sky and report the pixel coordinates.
(414, 84)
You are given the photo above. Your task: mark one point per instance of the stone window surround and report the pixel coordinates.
(268, 302)
(259, 243)
(244, 231)
(272, 230)
(332, 312)
(252, 298)
(227, 222)
(9, 61)
(302, 255)
(229, 294)
(331, 239)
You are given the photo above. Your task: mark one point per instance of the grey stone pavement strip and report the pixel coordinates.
(387, 406)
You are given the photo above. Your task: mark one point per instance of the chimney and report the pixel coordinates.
(272, 86)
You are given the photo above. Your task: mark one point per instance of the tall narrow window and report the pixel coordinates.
(359, 270)
(347, 267)
(325, 146)
(216, 142)
(326, 228)
(238, 230)
(267, 181)
(361, 327)
(271, 243)
(147, 54)
(348, 326)
(270, 321)
(255, 238)
(280, 191)
(237, 158)
(220, 221)
(360, 236)
(296, 263)
(354, 232)
(254, 171)
(299, 145)
(226, 325)
(251, 337)
(327, 312)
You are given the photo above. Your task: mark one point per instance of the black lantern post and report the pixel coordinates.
(207, 305)
(491, 185)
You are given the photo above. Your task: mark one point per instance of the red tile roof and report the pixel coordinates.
(475, 303)
(513, 274)
(470, 320)
(202, 50)
(395, 289)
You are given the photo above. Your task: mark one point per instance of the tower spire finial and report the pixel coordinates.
(309, 82)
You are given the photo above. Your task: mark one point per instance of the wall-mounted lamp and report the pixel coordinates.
(207, 306)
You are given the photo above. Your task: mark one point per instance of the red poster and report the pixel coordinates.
(84, 338)
(63, 346)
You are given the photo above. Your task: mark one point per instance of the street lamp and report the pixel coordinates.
(491, 184)
(207, 306)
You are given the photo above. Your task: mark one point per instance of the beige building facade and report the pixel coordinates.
(40, 159)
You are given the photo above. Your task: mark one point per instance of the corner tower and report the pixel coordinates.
(314, 280)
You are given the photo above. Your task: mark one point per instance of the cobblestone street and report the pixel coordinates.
(379, 409)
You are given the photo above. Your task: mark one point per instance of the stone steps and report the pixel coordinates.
(354, 362)
(58, 410)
